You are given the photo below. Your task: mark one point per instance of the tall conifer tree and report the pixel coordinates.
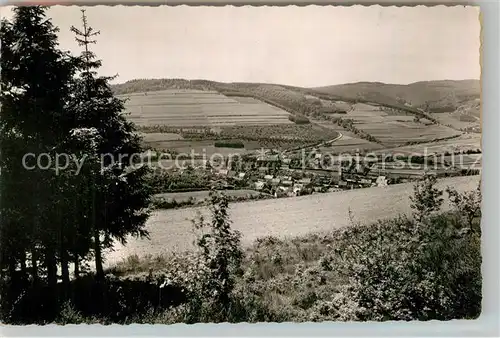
(35, 78)
(120, 195)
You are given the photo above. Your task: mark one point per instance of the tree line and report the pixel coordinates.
(54, 103)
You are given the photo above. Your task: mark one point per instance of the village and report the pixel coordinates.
(289, 175)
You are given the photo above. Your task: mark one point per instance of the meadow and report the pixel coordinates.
(171, 230)
(200, 196)
(200, 147)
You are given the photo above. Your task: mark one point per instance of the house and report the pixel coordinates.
(259, 185)
(222, 172)
(284, 189)
(381, 181)
(231, 173)
(287, 183)
(268, 177)
(280, 192)
(297, 189)
(263, 170)
(275, 182)
(342, 184)
(333, 189)
(269, 161)
(241, 175)
(365, 181)
(305, 181)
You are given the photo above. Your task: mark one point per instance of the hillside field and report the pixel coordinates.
(171, 230)
(393, 129)
(464, 143)
(184, 107)
(388, 115)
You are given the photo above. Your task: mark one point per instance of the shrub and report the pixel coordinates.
(229, 144)
(412, 269)
(210, 274)
(426, 199)
(221, 253)
(69, 315)
(299, 119)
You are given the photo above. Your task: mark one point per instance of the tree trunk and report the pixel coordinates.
(34, 266)
(51, 265)
(77, 266)
(12, 267)
(64, 268)
(24, 270)
(99, 272)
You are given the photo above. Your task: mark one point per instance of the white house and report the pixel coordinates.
(223, 172)
(381, 181)
(259, 185)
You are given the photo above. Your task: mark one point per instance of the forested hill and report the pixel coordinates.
(436, 96)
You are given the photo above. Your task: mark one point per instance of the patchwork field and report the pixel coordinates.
(184, 107)
(471, 161)
(160, 137)
(249, 138)
(384, 118)
(349, 144)
(171, 230)
(463, 143)
(393, 129)
(466, 116)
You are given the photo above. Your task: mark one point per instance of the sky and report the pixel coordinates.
(302, 46)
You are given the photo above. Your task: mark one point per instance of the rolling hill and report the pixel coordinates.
(385, 114)
(432, 96)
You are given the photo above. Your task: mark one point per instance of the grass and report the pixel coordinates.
(317, 276)
(421, 267)
(174, 200)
